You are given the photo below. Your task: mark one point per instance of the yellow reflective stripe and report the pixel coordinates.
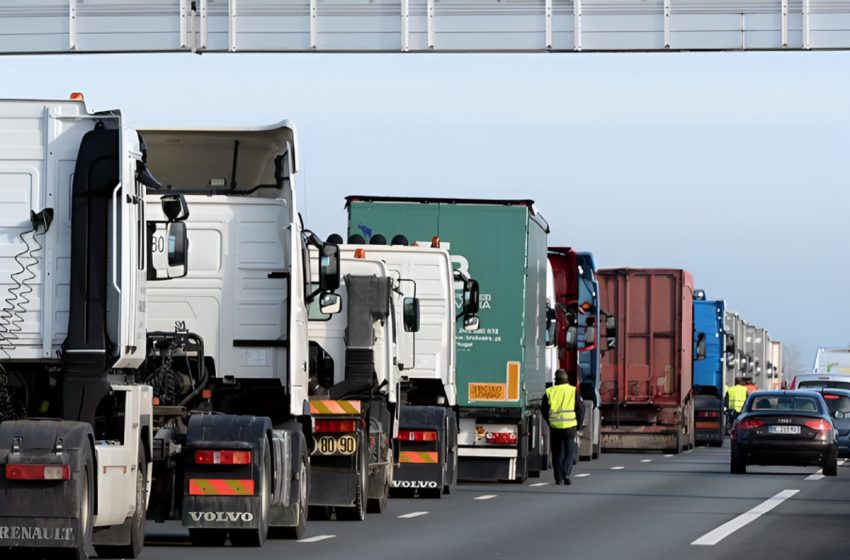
(334, 407)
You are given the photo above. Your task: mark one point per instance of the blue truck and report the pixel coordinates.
(708, 383)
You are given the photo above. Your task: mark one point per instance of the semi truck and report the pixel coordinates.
(709, 375)
(578, 314)
(646, 380)
(236, 464)
(501, 371)
(108, 416)
(428, 425)
(356, 357)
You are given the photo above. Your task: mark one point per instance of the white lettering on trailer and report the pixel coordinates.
(221, 516)
(54, 534)
(416, 484)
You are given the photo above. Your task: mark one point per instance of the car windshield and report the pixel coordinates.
(823, 384)
(840, 403)
(784, 403)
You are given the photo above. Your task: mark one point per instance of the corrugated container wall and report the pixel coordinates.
(652, 361)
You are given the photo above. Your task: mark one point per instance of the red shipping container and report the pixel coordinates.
(646, 379)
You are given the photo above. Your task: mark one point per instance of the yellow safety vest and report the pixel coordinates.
(737, 397)
(562, 406)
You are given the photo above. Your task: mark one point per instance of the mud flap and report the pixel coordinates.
(24, 519)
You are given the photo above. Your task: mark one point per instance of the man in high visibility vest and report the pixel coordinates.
(563, 409)
(735, 398)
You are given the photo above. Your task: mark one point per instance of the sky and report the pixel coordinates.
(731, 165)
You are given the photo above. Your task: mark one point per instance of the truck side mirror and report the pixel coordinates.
(168, 248)
(571, 337)
(471, 323)
(611, 326)
(330, 303)
(551, 326)
(730, 343)
(471, 294)
(410, 314)
(589, 336)
(174, 207)
(329, 275)
(700, 349)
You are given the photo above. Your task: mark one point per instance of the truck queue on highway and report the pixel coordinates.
(176, 345)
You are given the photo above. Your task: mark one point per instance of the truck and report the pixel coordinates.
(578, 316)
(831, 360)
(708, 369)
(355, 358)
(647, 401)
(428, 424)
(501, 373)
(228, 343)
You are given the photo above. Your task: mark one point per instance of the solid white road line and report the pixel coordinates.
(485, 497)
(713, 537)
(646, 460)
(582, 475)
(536, 484)
(617, 468)
(413, 514)
(816, 476)
(317, 538)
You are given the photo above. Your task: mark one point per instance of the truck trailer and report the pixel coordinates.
(709, 389)
(501, 372)
(646, 380)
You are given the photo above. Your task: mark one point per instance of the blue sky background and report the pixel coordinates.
(732, 165)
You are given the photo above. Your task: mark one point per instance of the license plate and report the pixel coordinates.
(783, 429)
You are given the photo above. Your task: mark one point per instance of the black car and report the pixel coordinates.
(838, 403)
(785, 428)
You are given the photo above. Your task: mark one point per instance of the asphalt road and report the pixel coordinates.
(625, 505)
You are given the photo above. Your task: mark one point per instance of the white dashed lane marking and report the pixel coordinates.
(485, 497)
(582, 475)
(413, 514)
(713, 537)
(816, 476)
(617, 468)
(317, 538)
(537, 484)
(646, 460)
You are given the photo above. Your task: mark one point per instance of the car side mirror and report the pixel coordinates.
(330, 303)
(168, 250)
(471, 323)
(410, 314)
(329, 275)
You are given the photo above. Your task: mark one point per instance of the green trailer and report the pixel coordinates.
(501, 367)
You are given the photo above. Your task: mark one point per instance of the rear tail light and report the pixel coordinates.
(831, 397)
(335, 426)
(503, 438)
(412, 435)
(750, 424)
(707, 414)
(222, 457)
(38, 472)
(820, 425)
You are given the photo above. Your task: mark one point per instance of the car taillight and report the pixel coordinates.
(335, 426)
(831, 397)
(820, 425)
(413, 435)
(222, 457)
(38, 472)
(503, 438)
(708, 414)
(750, 424)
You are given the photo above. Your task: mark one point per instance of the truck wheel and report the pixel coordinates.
(449, 488)
(257, 537)
(597, 449)
(207, 537)
(358, 511)
(301, 508)
(86, 506)
(137, 522)
(378, 505)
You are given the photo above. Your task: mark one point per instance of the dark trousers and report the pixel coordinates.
(563, 451)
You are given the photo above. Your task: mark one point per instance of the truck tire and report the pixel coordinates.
(137, 523)
(207, 537)
(256, 538)
(86, 505)
(358, 511)
(378, 505)
(451, 486)
(301, 508)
